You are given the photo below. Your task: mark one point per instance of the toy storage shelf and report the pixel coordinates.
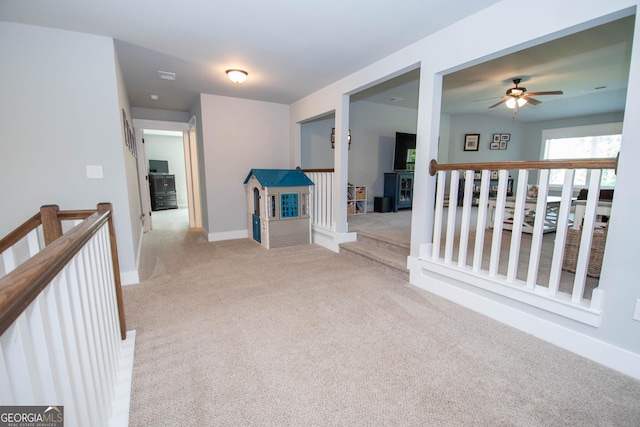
(356, 200)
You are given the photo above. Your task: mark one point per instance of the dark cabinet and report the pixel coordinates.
(162, 188)
(399, 187)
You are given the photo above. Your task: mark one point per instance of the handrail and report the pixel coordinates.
(19, 233)
(318, 170)
(611, 163)
(20, 287)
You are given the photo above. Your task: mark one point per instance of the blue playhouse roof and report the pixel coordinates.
(280, 177)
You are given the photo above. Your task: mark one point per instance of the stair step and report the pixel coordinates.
(384, 242)
(393, 261)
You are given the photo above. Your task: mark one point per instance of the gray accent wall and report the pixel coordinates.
(237, 135)
(60, 110)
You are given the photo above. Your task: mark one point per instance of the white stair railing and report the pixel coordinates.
(322, 197)
(479, 258)
(62, 329)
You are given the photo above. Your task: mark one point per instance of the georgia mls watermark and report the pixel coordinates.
(31, 416)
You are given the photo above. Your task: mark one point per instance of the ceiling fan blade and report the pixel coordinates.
(532, 101)
(487, 99)
(552, 92)
(498, 103)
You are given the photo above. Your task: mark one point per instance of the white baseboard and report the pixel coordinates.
(228, 235)
(330, 239)
(586, 346)
(129, 277)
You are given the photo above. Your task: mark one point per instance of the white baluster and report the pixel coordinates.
(466, 217)
(9, 258)
(19, 373)
(437, 222)
(518, 219)
(561, 232)
(496, 241)
(481, 225)
(587, 236)
(6, 395)
(451, 218)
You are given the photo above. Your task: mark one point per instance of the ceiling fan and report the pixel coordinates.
(518, 96)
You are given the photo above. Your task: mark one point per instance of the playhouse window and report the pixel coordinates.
(304, 205)
(273, 212)
(289, 205)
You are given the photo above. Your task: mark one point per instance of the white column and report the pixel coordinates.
(424, 186)
(341, 166)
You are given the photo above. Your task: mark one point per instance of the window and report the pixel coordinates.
(304, 205)
(272, 212)
(582, 142)
(411, 159)
(289, 205)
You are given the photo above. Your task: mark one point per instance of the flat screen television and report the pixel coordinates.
(158, 166)
(405, 151)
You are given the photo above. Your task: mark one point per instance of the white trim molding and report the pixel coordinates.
(586, 346)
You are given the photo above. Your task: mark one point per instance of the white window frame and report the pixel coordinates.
(577, 132)
(273, 207)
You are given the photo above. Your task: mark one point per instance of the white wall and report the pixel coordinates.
(373, 132)
(60, 110)
(461, 45)
(129, 275)
(316, 151)
(170, 148)
(237, 136)
(462, 124)
(373, 135)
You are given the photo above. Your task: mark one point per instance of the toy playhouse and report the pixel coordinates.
(279, 207)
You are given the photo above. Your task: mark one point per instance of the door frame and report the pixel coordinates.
(194, 204)
(193, 183)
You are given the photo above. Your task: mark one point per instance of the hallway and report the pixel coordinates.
(229, 333)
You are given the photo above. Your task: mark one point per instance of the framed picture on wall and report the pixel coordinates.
(505, 137)
(471, 142)
(496, 137)
(495, 145)
(503, 145)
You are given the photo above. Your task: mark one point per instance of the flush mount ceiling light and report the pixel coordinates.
(237, 76)
(154, 97)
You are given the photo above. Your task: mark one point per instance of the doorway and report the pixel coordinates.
(174, 143)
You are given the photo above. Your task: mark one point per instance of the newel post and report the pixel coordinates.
(51, 225)
(102, 208)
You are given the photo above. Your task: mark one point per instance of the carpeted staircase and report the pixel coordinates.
(382, 252)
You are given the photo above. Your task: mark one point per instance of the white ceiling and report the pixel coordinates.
(576, 64)
(292, 48)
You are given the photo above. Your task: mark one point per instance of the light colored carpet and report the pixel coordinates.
(232, 334)
(396, 226)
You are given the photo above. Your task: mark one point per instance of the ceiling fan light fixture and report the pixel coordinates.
(237, 76)
(511, 102)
